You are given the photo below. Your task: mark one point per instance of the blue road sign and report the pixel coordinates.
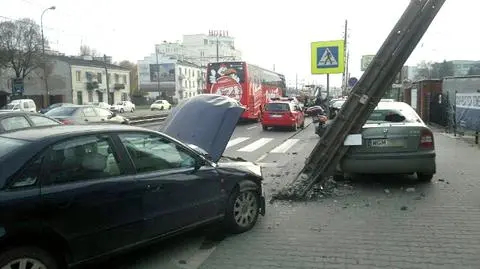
(18, 86)
(352, 81)
(327, 57)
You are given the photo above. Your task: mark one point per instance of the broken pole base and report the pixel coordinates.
(301, 188)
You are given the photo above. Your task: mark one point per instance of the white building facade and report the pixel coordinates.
(89, 82)
(164, 77)
(201, 49)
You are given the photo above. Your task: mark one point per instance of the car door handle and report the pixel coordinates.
(155, 188)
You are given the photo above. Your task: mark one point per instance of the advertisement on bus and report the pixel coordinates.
(226, 79)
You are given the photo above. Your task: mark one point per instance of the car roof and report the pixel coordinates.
(280, 102)
(393, 105)
(42, 133)
(4, 113)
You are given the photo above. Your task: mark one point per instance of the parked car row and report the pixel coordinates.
(70, 194)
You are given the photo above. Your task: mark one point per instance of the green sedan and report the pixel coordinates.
(394, 140)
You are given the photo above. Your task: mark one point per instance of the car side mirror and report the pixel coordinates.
(199, 163)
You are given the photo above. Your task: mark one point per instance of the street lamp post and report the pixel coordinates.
(43, 55)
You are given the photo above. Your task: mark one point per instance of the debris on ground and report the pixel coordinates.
(325, 188)
(410, 189)
(403, 208)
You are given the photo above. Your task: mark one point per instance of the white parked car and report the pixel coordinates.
(27, 105)
(123, 106)
(160, 105)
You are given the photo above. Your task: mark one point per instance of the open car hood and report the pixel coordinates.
(206, 120)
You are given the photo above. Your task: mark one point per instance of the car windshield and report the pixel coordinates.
(389, 115)
(277, 107)
(61, 111)
(10, 106)
(8, 145)
(120, 103)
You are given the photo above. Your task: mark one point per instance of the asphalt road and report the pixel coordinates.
(372, 222)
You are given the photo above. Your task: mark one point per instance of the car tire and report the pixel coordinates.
(295, 127)
(242, 202)
(422, 177)
(162, 108)
(36, 258)
(121, 110)
(303, 125)
(265, 128)
(152, 109)
(133, 109)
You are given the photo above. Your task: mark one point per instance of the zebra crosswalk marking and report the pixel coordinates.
(285, 146)
(256, 145)
(236, 141)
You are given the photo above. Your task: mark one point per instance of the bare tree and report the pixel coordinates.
(20, 46)
(88, 51)
(133, 74)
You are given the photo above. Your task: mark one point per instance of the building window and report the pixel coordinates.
(109, 77)
(180, 70)
(90, 96)
(205, 42)
(99, 77)
(124, 96)
(124, 79)
(78, 75)
(117, 78)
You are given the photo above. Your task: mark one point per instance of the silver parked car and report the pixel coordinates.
(395, 140)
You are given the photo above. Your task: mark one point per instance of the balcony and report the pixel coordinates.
(92, 85)
(119, 86)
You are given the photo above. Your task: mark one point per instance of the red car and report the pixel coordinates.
(282, 114)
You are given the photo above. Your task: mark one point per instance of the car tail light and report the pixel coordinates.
(66, 122)
(426, 140)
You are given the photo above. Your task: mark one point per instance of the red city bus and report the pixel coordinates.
(251, 85)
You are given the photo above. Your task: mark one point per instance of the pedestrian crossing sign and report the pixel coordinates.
(327, 57)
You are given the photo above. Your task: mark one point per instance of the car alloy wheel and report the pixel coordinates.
(26, 258)
(243, 211)
(25, 263)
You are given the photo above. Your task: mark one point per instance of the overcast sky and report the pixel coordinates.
(267, 31)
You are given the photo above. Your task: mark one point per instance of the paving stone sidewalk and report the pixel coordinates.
(390, 222)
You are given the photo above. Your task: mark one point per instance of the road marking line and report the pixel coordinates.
(261, 157)
(236, 141)
(285, 146)
(268, 164)
(253, 127)
(256, 145)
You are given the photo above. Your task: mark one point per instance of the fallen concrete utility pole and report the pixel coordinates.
(366, 94)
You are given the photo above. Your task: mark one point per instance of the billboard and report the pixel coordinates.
(162, 72)
(366, 60)
(467, 112)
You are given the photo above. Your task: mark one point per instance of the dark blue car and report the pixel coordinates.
(71, 194)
